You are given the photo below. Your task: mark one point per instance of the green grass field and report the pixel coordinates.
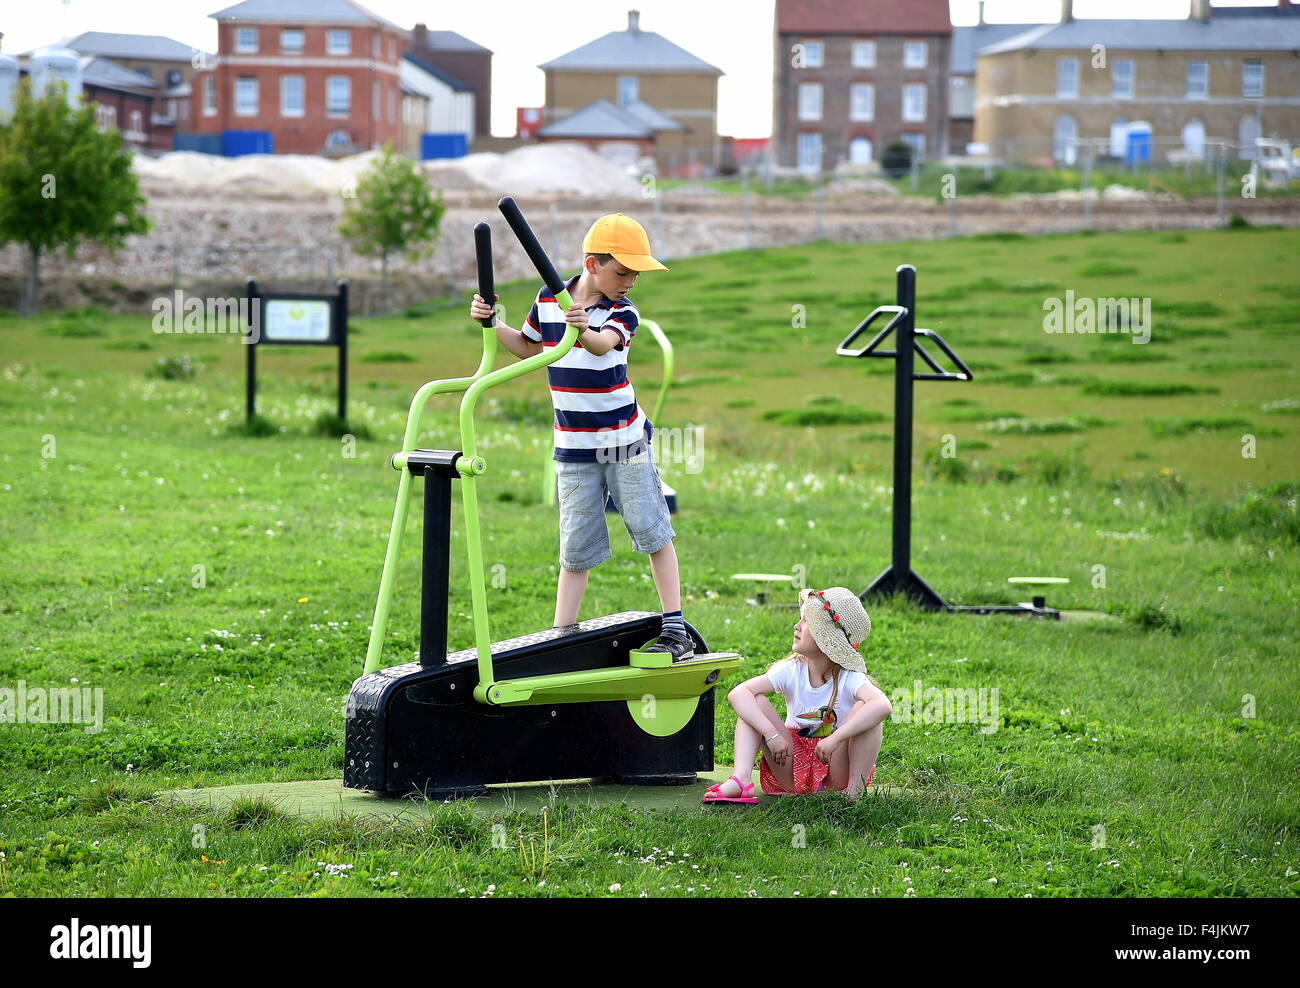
(218, 586)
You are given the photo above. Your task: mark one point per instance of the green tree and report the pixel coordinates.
(392, 210)
(62, 181)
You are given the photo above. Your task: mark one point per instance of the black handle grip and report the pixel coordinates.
(528, 240)
(486, 283)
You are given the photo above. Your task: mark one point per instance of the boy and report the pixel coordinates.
(602, 438)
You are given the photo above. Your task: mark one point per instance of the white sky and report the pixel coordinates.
(714, 30)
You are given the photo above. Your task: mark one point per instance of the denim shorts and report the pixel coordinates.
(638, 495)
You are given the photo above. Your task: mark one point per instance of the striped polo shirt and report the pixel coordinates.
(597, 418)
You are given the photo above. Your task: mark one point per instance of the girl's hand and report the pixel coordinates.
(576, 316)
(480, 310)
(779, 748)
(825, 748)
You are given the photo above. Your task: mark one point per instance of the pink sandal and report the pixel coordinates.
(714, 793)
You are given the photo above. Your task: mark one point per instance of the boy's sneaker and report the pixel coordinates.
(679, 646)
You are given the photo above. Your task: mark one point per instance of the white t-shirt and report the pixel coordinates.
(801, 697)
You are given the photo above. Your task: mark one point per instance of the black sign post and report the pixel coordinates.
(302, 320)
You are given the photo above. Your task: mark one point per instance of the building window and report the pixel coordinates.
(860, 151)
(627, 89)
(374, 44)
(1252, 79)
(105, 117)
(1118, 137)
(245, 40)
(293, 96)
(913, 102)
(810, 152)
(1065, 140)
(915, 54)
(374, 100)
(862, 101)
(338, 98)
(1247, 134)
(135, 125)
(864, 54)
(246, 96)
(1194, 139)
(810, 101)
(1121, 78)
(291, 41)
(961, 97)
(1198, 80)
(209, 95)
(1067, 78)
(917, 143)
(813, 54)
(339, 42)
(392, 104)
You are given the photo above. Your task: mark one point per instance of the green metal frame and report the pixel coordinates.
(469, 466)
(661, 699)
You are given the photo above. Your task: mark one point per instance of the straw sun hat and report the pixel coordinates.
(838, 623)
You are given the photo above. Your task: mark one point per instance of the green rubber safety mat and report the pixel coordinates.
(327, 799)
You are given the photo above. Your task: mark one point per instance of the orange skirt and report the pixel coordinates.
(809, 772)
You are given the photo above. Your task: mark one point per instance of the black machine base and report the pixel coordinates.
(418, 729)
(888, 583)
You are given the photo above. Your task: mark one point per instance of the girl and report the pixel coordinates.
(834, 711)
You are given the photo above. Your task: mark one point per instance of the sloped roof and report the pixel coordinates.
(451, 41)
(630, 51)
(412, 65)
(966, 41)
(1241, 33)
(599, 119)
(97, 71)
(812, 17)
(153, 46)
(649, 116)
(332, 11)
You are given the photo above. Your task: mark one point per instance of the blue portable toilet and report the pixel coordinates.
(1137, 146)
(443, 146)
(239, 142)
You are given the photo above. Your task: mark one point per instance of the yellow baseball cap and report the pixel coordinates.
(625, 239)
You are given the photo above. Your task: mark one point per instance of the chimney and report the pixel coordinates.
(420, 37)
(1201, 11)
(634, 21)
(1067, 11)
(981, 23)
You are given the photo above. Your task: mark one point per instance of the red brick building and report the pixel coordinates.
(853, 75)
(315, 75)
